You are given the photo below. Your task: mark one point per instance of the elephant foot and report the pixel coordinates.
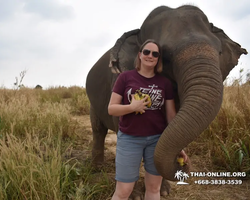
(165, 188)
(136, 196)
(138, 191)
(97, 158)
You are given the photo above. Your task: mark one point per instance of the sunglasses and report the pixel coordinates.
(155, 54)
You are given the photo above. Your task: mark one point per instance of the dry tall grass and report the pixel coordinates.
(37, 130)
(226, 142)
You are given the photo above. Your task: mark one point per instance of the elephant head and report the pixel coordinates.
(197, 57)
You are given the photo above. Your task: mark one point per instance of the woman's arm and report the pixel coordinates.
(170, 110)
(115, 107)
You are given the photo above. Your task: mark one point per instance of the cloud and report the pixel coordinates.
(58, 41)
(49, 9)
(9, 8)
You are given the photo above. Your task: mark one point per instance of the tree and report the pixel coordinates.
(18, 84)
(248, 78)
(38, 87)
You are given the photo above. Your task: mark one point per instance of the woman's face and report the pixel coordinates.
(149, 56)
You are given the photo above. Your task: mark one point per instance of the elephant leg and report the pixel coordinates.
(139, 190)
(165, 187)
(99, 134)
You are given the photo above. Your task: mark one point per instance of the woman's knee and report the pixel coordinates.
(153, 183)
(123, 190)
(153, 187)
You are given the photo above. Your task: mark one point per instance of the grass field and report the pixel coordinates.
(45, 147)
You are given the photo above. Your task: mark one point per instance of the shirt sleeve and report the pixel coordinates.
(119, 85)
(169, 92)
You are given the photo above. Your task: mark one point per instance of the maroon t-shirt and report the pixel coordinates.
(153, 121)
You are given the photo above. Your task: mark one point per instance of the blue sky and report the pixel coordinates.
(58, 41)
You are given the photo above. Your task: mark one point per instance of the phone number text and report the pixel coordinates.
(218, 182)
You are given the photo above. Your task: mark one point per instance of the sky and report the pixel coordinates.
(56, 42)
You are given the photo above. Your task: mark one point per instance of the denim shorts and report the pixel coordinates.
(130, 150)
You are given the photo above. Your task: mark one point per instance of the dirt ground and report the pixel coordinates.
(191, 191)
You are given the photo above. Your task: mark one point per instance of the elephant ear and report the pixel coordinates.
(124, 52)
(230, 51)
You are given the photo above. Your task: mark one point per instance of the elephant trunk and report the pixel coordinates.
(200, 88)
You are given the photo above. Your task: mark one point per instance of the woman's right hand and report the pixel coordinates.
(139, 105)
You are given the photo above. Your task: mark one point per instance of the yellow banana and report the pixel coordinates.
(139, 95)
(148, 99)
(180, 160)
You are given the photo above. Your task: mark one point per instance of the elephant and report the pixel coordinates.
(197, 57)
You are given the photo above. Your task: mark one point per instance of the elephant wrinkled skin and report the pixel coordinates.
(197, 57)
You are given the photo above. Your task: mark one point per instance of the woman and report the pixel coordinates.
(141, 126)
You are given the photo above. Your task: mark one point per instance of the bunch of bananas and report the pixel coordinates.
(139, 95)
(181, 162)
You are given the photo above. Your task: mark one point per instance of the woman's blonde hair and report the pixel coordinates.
(158, 67)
